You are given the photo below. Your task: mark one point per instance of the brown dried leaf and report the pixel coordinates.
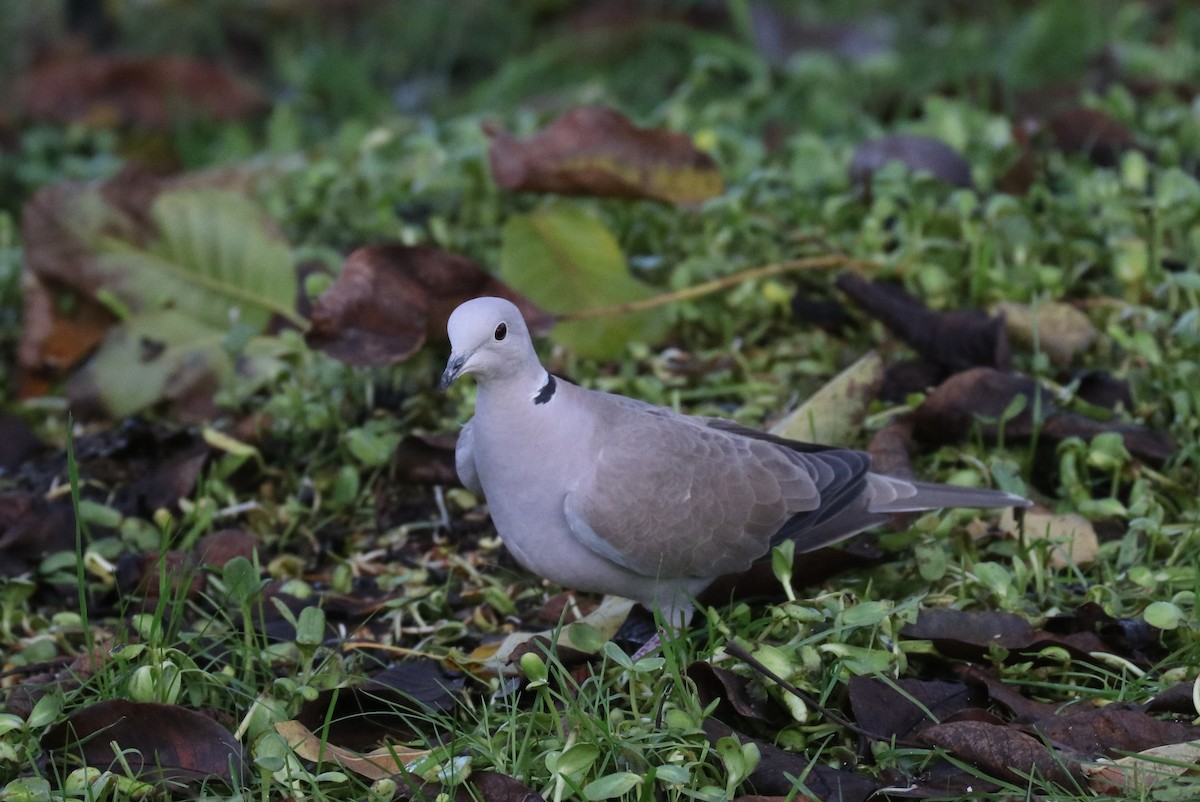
(970, 635)
(426, 460)
(898, 710)
(834, 413)
(778, 768)
(1129, 637)
(889, 448)
(1149, 446)
(597, 151)
(955, 340)
(494, 659)
(1073, 536)
(1020, 706)
(1003, 752)
(921, 154)
(733, 692)
(161, 743)
(214, 550)
(1112, 730)
(62, 226)
(494, 787)
(959, 403)
(980, 397)
(1020, 176)
(32, 528)
(1092, 133)
(1102, 389)
(153, 92)
(17, 442)
(1132, 776)
(1058, 329)
(389, 299)
(383, 762)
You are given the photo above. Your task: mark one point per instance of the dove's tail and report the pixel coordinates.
(891, 495)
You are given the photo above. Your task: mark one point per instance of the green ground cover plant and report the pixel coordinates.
(234, 558)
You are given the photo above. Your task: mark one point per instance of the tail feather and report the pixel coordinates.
(891, 495)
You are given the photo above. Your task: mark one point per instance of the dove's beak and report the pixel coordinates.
(453, 370)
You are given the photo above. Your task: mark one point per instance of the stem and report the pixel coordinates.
(725, 282)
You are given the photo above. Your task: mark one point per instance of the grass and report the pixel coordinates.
(348, 555)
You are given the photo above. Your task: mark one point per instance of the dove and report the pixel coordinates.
(608, 494)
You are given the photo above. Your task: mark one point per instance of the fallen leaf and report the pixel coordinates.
(153, 357)
(1020, 706)
(495, 659)
(1130, 637)
(1133, 776)
(1176, 699)
(1004, 753)
(31, 529)
(1112, 730)
(980, 397)
(777, 769)
(834, 413)
(567, 261)
(1150, 446)
(598, 151)
(954, 340)
(1021, 175)
(161, 743)
(1072, 537)
(201, 264)
(921, 154)
(909, 376)
(1091, 132)
(425, 460)
(383, 762)
(732, 695)
(902, 708)
(481, 786)
(778, 36)
(383, 705)
(153, 574)
(154, 91)
(827, 314)
(17, 442)
(495, 787)
(390, 299)
(1059, 330)
(971, 635)
(1102, 389)
(938, 779)
(889, 448)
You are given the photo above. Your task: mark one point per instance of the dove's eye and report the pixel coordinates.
(501, 331)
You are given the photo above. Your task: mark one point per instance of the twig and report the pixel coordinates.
(725, 282)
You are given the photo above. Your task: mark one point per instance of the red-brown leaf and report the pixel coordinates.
(1092, 133)
(1003, 752)
(599, 152)
(60, 259)
(389, 299)
(152, 92)
(160, 742)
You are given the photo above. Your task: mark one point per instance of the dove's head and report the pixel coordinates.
(488, 338)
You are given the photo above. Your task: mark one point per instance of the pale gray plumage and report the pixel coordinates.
(604, 493)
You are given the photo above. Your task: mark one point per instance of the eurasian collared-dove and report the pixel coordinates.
(604, 493)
